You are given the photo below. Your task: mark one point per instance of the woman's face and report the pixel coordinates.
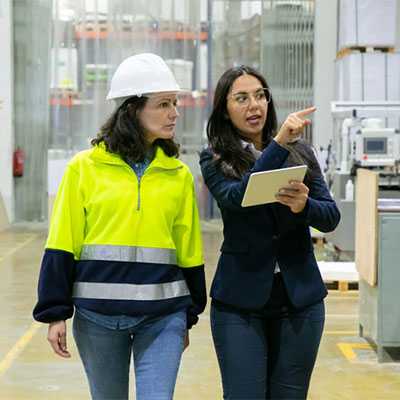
(247, 105)
(159, 115)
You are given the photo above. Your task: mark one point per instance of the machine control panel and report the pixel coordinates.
(377, 147)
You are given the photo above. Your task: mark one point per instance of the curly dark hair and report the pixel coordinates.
(225, 139)
(123, 134)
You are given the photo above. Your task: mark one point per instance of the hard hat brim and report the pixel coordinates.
(127, 93)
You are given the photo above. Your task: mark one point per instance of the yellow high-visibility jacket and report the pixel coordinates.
(118, 245)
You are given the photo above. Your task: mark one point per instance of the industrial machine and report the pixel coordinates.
(362, 140)
(377, 147)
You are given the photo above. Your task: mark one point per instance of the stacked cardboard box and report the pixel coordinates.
(367, 23)
(368, 77)
(367, 68)
(183, 71)
(64, 73)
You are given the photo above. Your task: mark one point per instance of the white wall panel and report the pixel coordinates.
(6, 107)
(325, 42)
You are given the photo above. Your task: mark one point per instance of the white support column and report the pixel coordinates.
(325, 31)
(6, 113)
(398, 27)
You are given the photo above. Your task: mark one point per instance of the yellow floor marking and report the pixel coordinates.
(18, 347)
(347, 349)
(342, 333)
(15, 249)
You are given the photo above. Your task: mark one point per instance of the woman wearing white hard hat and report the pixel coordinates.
(124, 247)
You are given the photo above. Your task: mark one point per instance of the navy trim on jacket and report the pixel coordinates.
(195, 279)
(55, 287)
(59, 272)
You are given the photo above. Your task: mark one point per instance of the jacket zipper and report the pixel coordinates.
(131, 171)
(139, 180)
(138, 202)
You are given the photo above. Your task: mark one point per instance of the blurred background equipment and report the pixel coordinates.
(366, 112)
(378, 224)
(91, 38)
(65, 52)
(84, 41)
(362, 141)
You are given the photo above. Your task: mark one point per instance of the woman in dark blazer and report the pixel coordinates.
(267, 311)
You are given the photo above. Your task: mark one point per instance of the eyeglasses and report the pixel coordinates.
(260, 96)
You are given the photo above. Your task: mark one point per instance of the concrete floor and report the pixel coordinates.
(347, 366)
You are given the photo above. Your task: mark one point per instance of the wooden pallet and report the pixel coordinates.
(363, 49)
(342, 286)
(341, 276)
(318, 241)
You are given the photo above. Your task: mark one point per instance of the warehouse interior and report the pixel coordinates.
(343, 56)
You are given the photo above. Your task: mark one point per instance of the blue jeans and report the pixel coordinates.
(268, 354)
(156, 344)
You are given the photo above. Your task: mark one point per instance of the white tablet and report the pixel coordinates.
(263, 186)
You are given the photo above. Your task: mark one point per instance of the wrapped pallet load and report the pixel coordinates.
(369, 77)
(359, 19)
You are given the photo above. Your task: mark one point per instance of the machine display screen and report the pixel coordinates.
(375, 145)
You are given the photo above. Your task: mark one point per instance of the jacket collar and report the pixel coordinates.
(251, 148)
(161, 160)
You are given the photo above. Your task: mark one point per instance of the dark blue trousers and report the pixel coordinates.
(268, 354)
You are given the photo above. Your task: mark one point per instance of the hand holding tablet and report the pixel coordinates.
(263, 187)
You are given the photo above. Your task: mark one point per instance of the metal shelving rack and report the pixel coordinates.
(287, 54)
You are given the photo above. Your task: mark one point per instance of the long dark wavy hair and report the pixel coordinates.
(123, 134)
(225, 139)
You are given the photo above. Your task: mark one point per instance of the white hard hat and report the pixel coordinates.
(142, 74)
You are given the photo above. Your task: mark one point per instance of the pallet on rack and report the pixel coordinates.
(318, 241)
(363, 49)
(339, 275)
(341, 286)
(318, 238)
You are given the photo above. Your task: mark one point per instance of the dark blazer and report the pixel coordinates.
(257, 237)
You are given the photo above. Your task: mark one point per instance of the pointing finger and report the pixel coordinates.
(306, 111)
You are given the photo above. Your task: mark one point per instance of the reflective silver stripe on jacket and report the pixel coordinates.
(127, 291)
(128, 253)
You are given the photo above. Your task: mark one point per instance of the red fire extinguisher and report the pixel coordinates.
(18, 162)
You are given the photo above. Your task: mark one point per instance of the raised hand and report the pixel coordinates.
(294, 125)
